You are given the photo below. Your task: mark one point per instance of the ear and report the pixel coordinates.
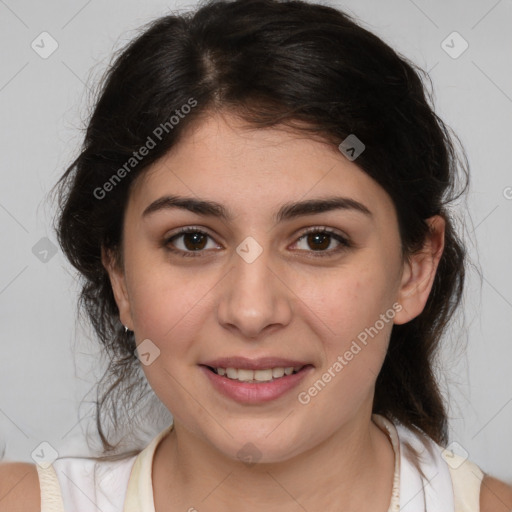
(118, 283)
(419, 272)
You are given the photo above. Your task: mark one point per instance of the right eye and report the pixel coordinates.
(188, 242)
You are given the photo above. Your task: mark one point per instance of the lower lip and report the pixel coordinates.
(253, 393)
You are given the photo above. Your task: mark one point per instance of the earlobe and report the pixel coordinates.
(118, 283)
(419, 272)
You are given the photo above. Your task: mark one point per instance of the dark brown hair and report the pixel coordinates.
(304, 65)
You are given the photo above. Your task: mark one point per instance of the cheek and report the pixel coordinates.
(351, 311)
(353, 319)
(346, 300)
(165, 300)
(169, 309)
(165, 309)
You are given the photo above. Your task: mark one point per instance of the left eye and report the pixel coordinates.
(319, 240)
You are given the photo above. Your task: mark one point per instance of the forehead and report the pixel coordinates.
(250, 169)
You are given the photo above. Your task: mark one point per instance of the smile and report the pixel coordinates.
(264, 375)
(255, 386)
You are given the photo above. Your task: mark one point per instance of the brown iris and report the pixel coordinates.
(314, 238)
(192, 239)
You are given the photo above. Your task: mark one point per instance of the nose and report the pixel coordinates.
(254, 298)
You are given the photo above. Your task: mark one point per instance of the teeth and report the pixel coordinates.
(266, 375)
(277, 372)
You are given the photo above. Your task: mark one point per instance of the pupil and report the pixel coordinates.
(195, 238)
(313, 238)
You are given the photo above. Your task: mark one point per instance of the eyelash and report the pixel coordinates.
(344, 243)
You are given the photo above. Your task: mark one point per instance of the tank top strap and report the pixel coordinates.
(139, 494)
(467, 481)
(84, 483)
(51, 498)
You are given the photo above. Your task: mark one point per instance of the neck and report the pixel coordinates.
(353, 467)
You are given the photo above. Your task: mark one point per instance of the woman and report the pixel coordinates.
(259, 214)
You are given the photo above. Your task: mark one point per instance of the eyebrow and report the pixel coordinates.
(287, 212)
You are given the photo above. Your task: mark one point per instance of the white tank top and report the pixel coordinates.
(75, 484)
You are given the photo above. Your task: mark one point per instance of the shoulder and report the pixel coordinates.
(19, 487)
(495, 495)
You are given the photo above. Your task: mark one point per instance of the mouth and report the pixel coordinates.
(256, 376)
(252, 387)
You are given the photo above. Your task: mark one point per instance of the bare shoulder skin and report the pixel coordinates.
(19, 487)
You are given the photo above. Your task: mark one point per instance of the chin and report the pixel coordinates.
(258, 449)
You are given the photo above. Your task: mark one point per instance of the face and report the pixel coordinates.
(305, 265)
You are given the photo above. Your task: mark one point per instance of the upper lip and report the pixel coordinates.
(253, 364)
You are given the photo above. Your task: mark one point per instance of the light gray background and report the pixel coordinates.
(42, 105)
